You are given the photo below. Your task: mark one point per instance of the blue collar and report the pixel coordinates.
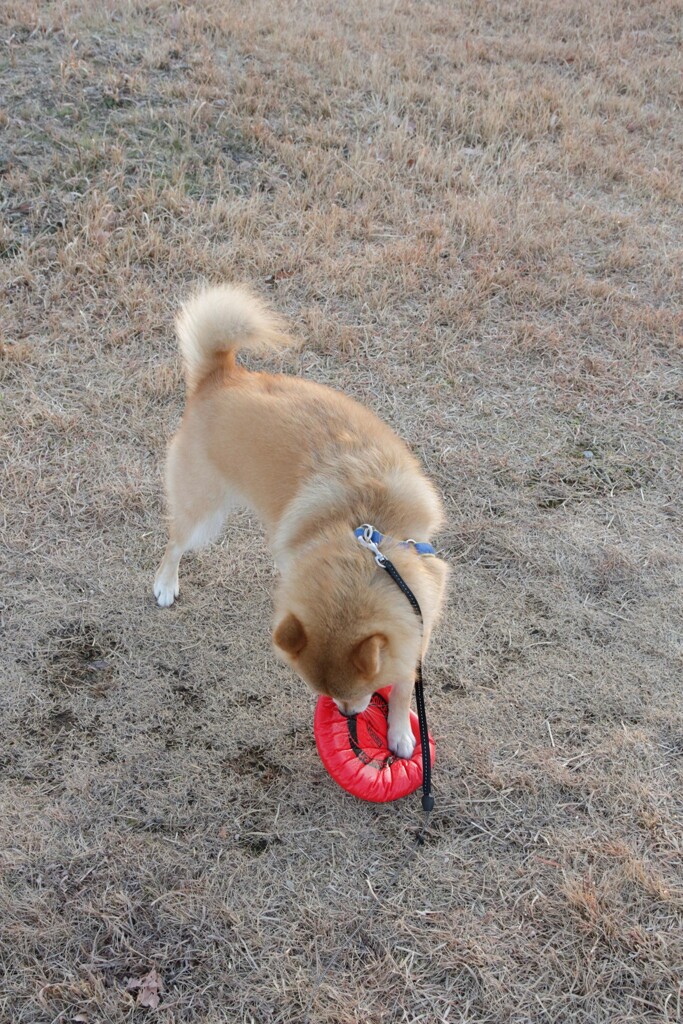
(371, 538)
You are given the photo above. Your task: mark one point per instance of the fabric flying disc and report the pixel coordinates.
(356, 754)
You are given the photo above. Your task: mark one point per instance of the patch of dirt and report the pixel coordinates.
(78, 657)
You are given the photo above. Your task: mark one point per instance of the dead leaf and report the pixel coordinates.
(149, 989)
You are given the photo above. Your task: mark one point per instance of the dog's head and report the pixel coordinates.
(345, 627)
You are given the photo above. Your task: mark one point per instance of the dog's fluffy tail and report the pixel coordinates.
(217, 322)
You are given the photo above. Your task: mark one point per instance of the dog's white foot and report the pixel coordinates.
(401, 740)
(165, 591)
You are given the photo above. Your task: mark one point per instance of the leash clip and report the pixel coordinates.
(365, 539)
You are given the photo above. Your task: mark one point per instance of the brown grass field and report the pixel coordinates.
(471, 213)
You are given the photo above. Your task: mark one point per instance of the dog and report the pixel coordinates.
(314, 465)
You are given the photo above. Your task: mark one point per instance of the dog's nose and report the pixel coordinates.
(348, 709)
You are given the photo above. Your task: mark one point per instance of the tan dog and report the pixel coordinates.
(314, 465)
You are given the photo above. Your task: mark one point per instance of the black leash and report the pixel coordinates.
(427, 798)
(371, 539)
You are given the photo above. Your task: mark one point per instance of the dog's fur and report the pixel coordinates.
(313, 464)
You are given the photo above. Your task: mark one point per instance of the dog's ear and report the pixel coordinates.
(290, 635)
(367, 655)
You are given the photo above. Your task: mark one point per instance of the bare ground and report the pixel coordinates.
(471, 213)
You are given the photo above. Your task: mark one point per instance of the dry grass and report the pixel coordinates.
(472, 214)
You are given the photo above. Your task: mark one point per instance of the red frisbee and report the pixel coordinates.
(354, 750)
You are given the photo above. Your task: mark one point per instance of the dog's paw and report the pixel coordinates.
(401, 741)
(165, 593)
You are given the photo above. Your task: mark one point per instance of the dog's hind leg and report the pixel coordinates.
(199, 500)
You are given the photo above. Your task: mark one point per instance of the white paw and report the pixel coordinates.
(401, 741)
(165, 593)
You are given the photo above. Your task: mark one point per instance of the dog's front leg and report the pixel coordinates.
(400, 736)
